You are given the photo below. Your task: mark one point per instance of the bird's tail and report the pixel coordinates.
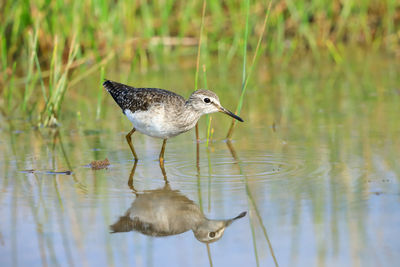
(112, 87)
(124, 224)
(117, 91)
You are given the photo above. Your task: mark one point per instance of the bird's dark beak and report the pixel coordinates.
(230, 221)
(224, 110)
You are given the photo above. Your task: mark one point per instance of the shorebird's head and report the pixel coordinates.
(205, 102)
(212, 230)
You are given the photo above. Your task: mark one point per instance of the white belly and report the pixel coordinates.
(153, 123)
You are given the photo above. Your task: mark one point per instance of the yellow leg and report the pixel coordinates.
(129, 140)
(197, 133)
(130, 181)
(161, 158)
(164, 173)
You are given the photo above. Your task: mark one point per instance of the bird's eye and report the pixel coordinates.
(211, 234)
(207, 100)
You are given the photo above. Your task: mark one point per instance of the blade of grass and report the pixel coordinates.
(200, 195)
(4, 62)
(42, 86)
(57, 90)
(197, 125)
(30, 80)
(209, 179)
(251, 200)
(245, 79)
(196, 78)
(334, 52)
(10, 88)
(208, 130)
(208, 117)
(246, 34)
(253, 235)
(100, 94)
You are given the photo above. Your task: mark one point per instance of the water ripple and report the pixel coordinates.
(221, 167)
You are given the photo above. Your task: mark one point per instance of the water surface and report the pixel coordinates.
(315, 165)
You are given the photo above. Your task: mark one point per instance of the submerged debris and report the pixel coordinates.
(60, 172)
(99, 164)
(67, 172)
(28, 171)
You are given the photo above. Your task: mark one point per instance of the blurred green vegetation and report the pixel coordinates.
(43, 41)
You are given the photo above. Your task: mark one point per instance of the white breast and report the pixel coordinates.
(152, 122)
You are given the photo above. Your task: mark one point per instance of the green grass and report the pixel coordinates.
(100, 94)
(245, 75)
(244, 66)
(58, 84)
(37, 36)
(199, 49)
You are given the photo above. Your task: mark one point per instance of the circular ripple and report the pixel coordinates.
(255, 166)
(251, 165)
(222, 168)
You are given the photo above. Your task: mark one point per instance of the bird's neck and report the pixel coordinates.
(199, 221)
(189, 116)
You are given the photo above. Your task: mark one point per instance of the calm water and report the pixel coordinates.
(315, 165)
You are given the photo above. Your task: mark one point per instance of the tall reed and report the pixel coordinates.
(245, 78)
(208, 116)
(100, 94)
(196, 78)
(58, 84)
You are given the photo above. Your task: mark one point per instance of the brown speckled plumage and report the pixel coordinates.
(139, 99)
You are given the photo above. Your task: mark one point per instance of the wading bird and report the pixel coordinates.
(161, 113)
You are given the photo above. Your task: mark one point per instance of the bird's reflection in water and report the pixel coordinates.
(164, 212)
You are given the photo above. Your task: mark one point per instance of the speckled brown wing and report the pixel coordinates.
(135, 99)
